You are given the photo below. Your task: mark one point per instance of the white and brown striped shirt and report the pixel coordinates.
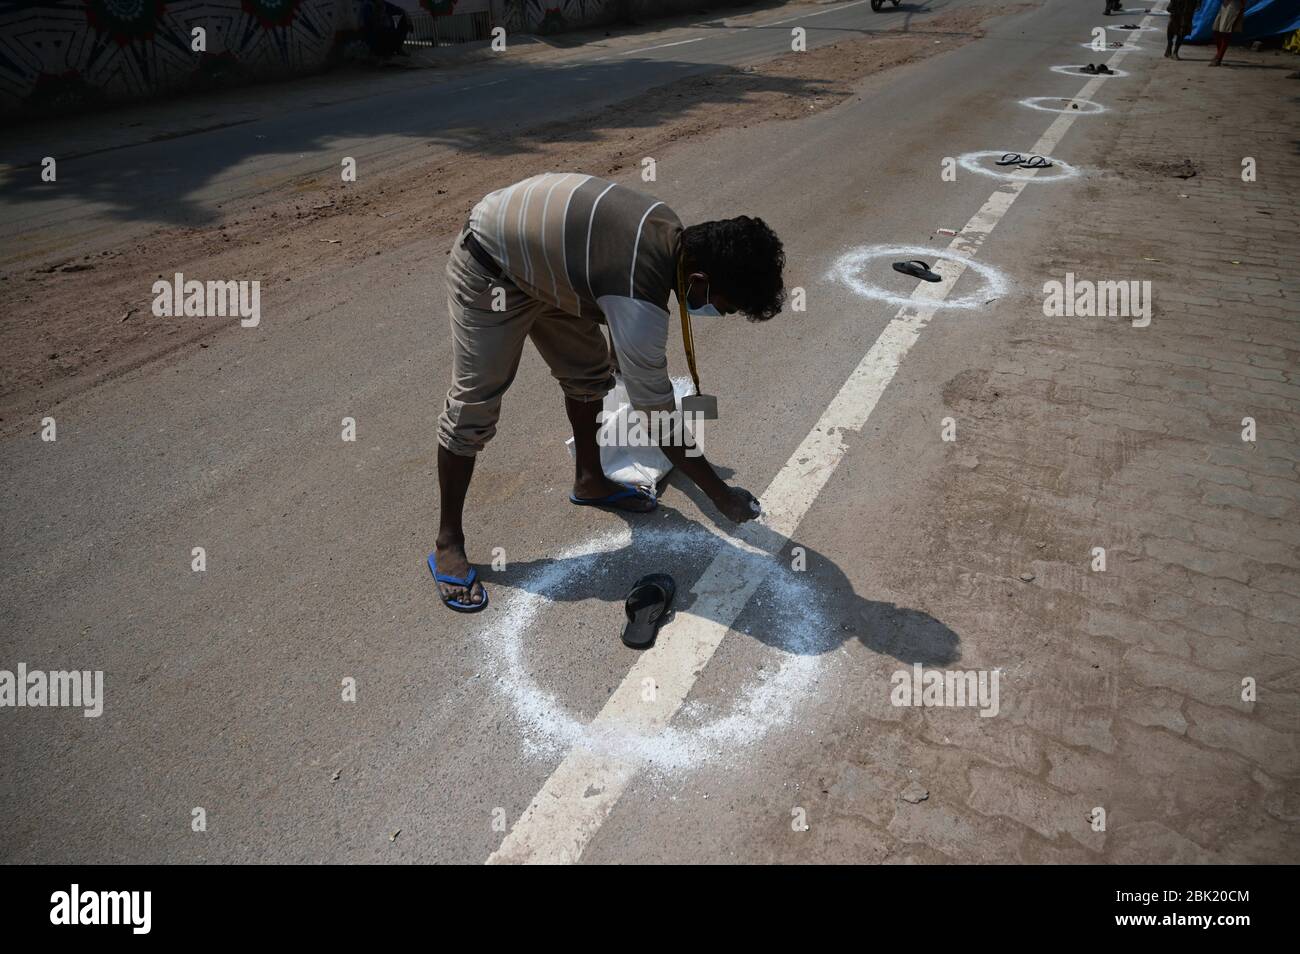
(596, 249)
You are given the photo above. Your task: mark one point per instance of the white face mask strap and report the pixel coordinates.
(707, 289)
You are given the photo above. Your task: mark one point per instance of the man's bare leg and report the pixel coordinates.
(454, 473)
(589, 480)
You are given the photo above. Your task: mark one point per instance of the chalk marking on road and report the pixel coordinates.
(1072, 105)
(1126, 48)
(576, 799)
(848, 267)
(1073, 70)
(1057, 172)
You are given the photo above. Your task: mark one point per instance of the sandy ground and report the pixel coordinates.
(74, 323)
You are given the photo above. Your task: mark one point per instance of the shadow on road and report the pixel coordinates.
(499, 114)
(908, 635)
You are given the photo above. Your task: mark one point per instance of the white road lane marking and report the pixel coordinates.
(663, 46)
(734, 30)
(806, 16)
(579, 795)
(483, 85)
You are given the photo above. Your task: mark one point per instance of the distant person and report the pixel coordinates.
(1180, 24)
(386, 26)
(553, 259)
(1232, 15)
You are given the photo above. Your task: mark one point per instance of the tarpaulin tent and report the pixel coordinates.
(1264, 18)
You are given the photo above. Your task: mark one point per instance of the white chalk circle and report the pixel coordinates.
(700, 732)
(1125, 48)
(1141, 29)
(985, 163)
(849, 269)
(1077, 71)
(1062, 104)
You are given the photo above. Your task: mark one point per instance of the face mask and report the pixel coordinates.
(705, 311)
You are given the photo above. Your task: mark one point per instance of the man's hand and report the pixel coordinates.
(737, 504)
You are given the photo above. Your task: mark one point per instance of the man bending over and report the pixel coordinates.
(552, 258)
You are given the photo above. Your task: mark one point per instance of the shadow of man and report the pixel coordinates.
(665, 540)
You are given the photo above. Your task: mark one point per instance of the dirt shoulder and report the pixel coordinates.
(75, 325)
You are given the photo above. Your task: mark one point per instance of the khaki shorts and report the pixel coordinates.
(486, 346)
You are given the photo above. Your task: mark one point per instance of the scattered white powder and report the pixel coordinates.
(798, 642)
(850, 268)
(985, 163)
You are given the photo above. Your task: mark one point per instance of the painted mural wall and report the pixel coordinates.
(82, 52)
(71, 54)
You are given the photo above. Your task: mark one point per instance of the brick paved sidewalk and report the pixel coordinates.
(1120, 689)
(1093, 433)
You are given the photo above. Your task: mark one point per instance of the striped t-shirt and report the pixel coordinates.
(595, 249)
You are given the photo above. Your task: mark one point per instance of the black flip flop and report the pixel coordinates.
(917, 269)
(1036, 162)
(1090, 69)
(646, 607)
(1104, 70)
(1010, 158)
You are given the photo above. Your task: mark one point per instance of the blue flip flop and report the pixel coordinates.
(467, 582)
(625, 494)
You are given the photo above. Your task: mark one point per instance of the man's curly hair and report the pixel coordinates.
(743, 259)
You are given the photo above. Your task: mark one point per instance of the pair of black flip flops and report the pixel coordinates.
(1097, 69)
(646, 607)
(1033, 162)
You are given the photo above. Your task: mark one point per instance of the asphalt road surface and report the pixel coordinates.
(760, 727)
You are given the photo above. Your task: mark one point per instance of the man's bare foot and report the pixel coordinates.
(452, 561)
(594, 488)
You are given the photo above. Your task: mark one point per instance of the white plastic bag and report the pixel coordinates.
(637, 466)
